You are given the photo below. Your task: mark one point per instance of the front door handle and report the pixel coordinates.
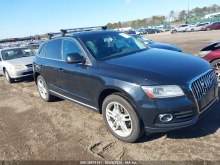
(60, 69)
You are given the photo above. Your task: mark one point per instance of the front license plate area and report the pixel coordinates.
(206, 100)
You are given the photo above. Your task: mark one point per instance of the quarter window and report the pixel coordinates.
(42, 51)
(70, 46)
(54, 49)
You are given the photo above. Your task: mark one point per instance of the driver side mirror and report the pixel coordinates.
(74, 58)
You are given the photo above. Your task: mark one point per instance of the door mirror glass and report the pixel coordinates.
(74, 58)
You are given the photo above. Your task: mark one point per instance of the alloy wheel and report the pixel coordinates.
(119, 119)
(42, 88)
(216, 66)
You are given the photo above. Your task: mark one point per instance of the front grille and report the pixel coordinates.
(204, 84)
(29, 65)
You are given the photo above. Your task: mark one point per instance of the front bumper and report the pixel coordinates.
(186, 111)
(20, 72)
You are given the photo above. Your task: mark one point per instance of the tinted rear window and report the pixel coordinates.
(42, 51)
(54, 49)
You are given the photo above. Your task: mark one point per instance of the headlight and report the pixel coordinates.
(203, 53)
(15, 67)
(163, 91)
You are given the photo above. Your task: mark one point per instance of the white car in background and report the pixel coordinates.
(16, 63)
(181, 28)
(197, 27)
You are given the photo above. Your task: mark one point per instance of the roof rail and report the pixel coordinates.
(50, 35)
(64, 31)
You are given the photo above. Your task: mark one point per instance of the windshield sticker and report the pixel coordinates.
(27, 50)
(124, 35)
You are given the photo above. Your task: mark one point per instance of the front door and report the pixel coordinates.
(74, 78)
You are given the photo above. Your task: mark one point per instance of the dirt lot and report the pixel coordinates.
(33, 130)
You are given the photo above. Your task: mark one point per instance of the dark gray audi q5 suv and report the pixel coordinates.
(136, 88)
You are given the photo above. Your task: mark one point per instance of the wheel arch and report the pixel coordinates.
(4, 68)
(118, 91)
(36, 74)
(214, 59)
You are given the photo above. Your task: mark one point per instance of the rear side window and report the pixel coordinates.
(42, 51)
(54, 49)
(70, 46)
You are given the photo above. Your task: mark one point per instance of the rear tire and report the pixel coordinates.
(8, 78)
(43, 89)
(121, 119)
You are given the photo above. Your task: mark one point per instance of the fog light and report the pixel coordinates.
(165, 117)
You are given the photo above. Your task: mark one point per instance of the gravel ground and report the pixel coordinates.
(34, 131)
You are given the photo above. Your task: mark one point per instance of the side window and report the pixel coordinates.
(70, 46)
(42, 51)
(54, 49)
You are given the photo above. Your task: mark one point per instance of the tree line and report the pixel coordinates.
(172, 17)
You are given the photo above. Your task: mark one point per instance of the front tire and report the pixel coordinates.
(8, 78)
(121, 119)
(216, 65)
(43, 89)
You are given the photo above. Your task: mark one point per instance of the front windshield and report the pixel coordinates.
(16, 53)
(107, 45)
(33, 46)
(147, 40)
(144, 40)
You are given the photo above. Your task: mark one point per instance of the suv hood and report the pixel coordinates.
(167, 46)
(160, 66)
(20, 61)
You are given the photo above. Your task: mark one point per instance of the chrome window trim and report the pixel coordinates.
(68, 38)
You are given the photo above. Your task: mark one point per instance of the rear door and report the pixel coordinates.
(50, 64)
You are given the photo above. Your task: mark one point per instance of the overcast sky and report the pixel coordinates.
(21, 18)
